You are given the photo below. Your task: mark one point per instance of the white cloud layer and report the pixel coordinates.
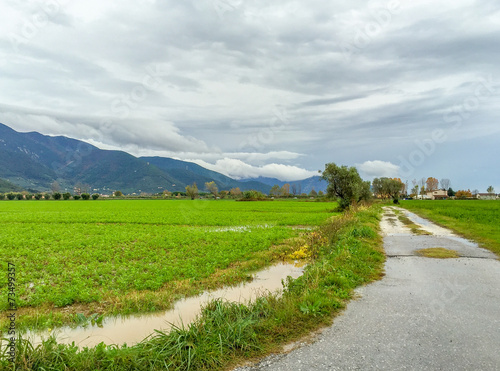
(378, 169)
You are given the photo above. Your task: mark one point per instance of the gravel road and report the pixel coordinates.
(425, 314)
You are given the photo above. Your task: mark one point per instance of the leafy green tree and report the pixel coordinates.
(192, 191)
(46, 196)
(76, 197)
(57, 196)
(85, 196)
(66, 196)
(11, 196)
(95, 196)
(451, 192)
(2, 196)
(118, 194)
(19, 196)
(345, 185)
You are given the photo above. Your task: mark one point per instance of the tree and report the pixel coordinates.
(212, 188)
(432, 184)
(95, 196)
(345, 184)
(414, 190)
(118, 194)
(490, 190)
(451, 192)
(445, 183)
(294, 189)
(235, 192)
(55, 187)
(192, 191)
(475, 192)
(463, 194)
(46, 196)
(66, 196)
(76, 197)
(321, 194)
(285, 190)
(57, 196)
(223, 194)
(313, 193)
(275, 191)
(387, 187)
(85, 196)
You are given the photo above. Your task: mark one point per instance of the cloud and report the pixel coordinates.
(377, 169)
(237, 169)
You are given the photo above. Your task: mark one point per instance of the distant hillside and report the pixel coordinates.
(189, 172)
(34, 161)
(6, 186)
(301, 186)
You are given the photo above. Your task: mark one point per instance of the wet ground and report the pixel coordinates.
(425, 314)
(133, 329)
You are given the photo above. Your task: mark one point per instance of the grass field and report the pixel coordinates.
(346, 252)
(477, 220)
(126, 256)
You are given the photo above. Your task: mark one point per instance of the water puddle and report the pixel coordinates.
(133, 329)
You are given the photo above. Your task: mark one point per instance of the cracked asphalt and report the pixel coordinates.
(425, 314)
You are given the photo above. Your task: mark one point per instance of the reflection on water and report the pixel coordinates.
(133, 329)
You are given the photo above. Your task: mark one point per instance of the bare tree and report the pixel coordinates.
(445, 183)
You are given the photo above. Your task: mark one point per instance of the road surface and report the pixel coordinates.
(425, 314)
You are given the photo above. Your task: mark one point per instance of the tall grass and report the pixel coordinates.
(227, 333)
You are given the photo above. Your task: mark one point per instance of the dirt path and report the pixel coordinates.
(425, 314)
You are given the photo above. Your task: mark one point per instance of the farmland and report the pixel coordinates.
(129, 256)
(476, 220)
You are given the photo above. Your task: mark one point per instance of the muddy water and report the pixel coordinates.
(133, 329)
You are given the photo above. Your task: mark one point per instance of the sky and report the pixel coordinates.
(256, 88)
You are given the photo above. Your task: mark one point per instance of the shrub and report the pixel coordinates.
(2, 196)
(76, 197)
(57, 196)
(11, 196)
(253, 196)
(85, 196)
(118, 193)
(95, 196)
(47, 196)
(19, 196)
(38, 196)
(66, 196)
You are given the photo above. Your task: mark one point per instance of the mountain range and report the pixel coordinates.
(34, 161)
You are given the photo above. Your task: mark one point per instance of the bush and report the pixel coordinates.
(38, 196)
(2, 196)
(85, 196)
(66, 196)
(19, 196)
(28, 196)
(57, 196)
(47, 196)
(253, 196)
(95, 196)
(76, 197)
(11, 196)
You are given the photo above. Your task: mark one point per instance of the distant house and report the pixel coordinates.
(439, 194)
(486, 196)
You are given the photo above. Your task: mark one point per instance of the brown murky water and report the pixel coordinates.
(133, 329)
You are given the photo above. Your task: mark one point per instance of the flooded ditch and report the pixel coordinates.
(133, 329)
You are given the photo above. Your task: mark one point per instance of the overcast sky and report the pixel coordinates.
(259, 88)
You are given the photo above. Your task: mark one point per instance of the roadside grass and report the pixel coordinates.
(438, 253)
(476, 220)
(346, 253)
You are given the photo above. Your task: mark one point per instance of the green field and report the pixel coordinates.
(125, 256)
(477, 220)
